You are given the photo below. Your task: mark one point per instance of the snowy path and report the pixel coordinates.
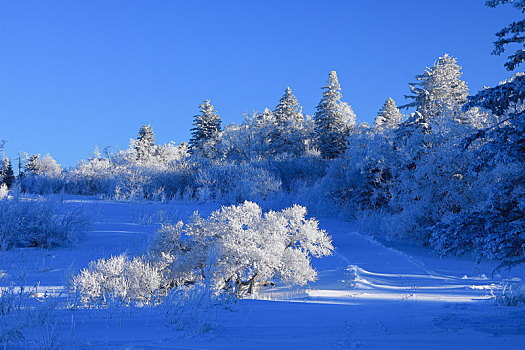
(364, 269)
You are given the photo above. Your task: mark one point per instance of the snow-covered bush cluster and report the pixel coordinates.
(448, 175)
(118, 277)
(233, 252)
(27, 223)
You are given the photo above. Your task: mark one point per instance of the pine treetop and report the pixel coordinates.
(439, 92)
(389, 116)
(207, 126)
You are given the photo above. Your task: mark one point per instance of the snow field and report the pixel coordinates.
(369, 295)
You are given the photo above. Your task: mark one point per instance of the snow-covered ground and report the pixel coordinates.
(369, 295)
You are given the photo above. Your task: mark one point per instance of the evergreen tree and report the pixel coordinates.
(389, 116)
(263, 126)
(145, 145)
(439, 93)
(205, 132)
(333, 120)
(494, 224)
(32, 166)
(8, 175)
(288, 125)
(513, 33)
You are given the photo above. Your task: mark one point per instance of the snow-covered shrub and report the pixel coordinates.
(44, 176)
(117, 278)
(20, 311)
(238, 248)
(296, 172)
(39, 224)
(42, 183)
(511, 295)
(235, 183)
(193, 309)
(95, 176)
(175, 180)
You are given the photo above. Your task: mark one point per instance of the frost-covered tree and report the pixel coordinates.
(333, 120)
(173, 153)
(494, 226)
(42, 175)
(289, 126)
(7, 175)
(439, 93)
(49, 166)
(32, 166)
(263, 126)
(205, 133)
(238, 248)
(145, 146)
(240, 142)
(429, 172)
(389, 116)
(514, 33)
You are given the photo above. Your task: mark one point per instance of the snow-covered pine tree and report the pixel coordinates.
(333, 120)
(145, 145)
(7, 175)
(32, 165)
(288, 125)
(389, 116)
(205, 133)
(439, 93)
(428, 179)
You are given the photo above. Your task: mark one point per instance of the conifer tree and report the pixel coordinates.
(288, 125)
(205, 133)
(333, 120)
(145, 144)
(32, 166)
(389, 116)
(8, 175)
(439, 93)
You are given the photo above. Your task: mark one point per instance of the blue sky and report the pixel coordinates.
(75, 74)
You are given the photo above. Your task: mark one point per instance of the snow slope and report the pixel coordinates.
(369, 295)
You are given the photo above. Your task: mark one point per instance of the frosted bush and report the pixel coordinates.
(193, 309)
(117, 278)
(96, 176)
(238, 248)
(43, 183)
(39, 224)
(297, 172)
(235, 183)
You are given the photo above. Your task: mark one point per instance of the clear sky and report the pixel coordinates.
(80, 73)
